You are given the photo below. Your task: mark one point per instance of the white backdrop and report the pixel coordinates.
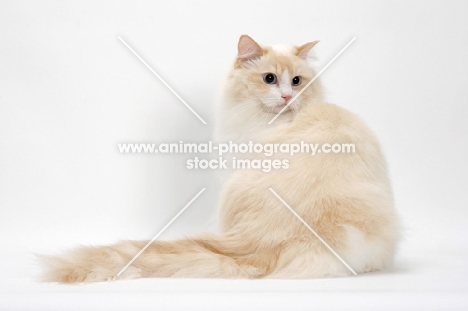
(70, 91)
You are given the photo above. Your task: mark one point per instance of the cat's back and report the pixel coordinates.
(338, 134)
(343, 150)
(331, 123)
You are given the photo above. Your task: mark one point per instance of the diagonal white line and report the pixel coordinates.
(313, 231)
(310, 82)
(160, 232)
(161, 79)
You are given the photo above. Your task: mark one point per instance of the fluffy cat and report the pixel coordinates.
(345, 198)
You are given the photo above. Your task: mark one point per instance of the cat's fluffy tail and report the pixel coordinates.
(205, 257)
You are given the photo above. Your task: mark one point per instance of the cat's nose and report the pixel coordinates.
(286, 97)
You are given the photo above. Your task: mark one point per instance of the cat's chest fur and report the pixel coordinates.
(248, 126)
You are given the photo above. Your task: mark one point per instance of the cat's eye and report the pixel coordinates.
(269, 78)
(296, 81)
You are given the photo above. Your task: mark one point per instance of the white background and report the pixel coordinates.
(70, 91)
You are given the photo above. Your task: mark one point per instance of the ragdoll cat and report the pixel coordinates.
(346, 198)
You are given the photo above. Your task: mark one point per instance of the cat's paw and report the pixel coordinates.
(252, 271)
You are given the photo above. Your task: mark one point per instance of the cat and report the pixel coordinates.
(345, 197)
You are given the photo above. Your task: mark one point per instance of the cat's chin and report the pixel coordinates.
(276, 109)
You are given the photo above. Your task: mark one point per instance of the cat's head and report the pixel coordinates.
(269, 76)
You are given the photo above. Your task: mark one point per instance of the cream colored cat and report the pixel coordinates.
(345, 198)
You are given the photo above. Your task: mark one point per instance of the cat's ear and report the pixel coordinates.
(303, 50)
(248, 49)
